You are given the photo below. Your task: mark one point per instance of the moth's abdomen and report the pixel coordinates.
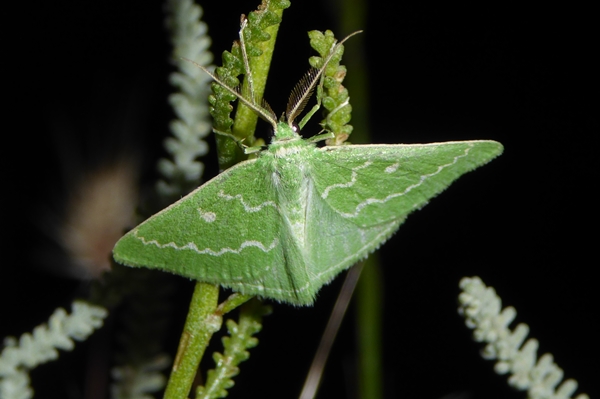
(291, 180)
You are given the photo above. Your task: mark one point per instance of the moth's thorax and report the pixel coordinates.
(290, 177)
(287, 143)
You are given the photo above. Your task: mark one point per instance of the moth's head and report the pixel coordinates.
(286, 131)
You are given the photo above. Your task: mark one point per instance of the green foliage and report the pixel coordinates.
(235, 350)
(333, 95)
(259, 38)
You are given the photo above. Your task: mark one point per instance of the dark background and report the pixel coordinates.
(86, 73)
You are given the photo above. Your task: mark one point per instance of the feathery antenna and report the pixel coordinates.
(300, 94)
(304, 89)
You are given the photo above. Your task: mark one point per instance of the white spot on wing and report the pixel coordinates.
(392, 168)
(208, 217)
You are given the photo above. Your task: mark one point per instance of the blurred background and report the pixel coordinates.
(86, 84)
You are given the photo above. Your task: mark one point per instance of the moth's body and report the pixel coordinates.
(289, 175)
(284, 224)
(291, 179)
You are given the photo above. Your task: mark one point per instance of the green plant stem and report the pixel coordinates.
(369, 307)
(204, 318)
(369, 295)
(199, 327)
(246, 118)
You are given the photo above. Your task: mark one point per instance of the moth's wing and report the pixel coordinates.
(364, 192)
(225, 232)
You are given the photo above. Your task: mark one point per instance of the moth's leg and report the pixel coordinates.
(312, 111)
(247, 149)
(320, 137)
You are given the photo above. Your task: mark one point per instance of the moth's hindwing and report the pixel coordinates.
(364, 192)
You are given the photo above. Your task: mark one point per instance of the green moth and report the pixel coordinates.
(284, 224)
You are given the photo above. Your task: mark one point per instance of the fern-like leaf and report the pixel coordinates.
(259, 39)
(188, 35)
(236, 346)
(482, 310)
(31, 350)
(334, 96)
